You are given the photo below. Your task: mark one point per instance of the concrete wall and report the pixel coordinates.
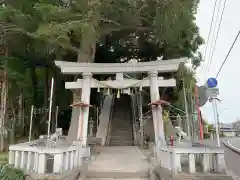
(229, 134)
(104, 119)
(149, 129)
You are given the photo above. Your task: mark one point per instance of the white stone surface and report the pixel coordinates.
(120, 84)
(34, 158)
(104, 117)
(120, 159)
(110, 68)
(85, 98)
(209, 157)
(156, 110)
(118, 179)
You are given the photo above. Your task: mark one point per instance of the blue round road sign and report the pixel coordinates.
(212, 82)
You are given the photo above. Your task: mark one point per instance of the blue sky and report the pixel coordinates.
(229, 78)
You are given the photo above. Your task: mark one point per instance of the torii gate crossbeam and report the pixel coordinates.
(112, 68)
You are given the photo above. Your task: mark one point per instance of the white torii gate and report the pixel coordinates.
(152, 68)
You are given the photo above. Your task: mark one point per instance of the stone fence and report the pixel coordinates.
(35, 157)
(209, 159)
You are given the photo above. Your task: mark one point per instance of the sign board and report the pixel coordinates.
(212, 92)
(212, 83)
(202, 95)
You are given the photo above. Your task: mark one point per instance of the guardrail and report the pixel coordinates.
(32, 157)
(134, 124)
(231, 147)
(104, 118)
(211, 159)
(109, 122)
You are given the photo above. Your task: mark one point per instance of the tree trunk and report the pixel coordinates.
(86, 54)
(36, 123)
(44, 117)
(13, 125)
(4, 94)
(20, 112)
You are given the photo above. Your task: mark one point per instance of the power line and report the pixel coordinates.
(219, 27)
(235, 40)
(209, 33)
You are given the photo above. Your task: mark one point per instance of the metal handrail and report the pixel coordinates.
(110, 121)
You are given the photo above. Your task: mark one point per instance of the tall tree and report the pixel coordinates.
(125, 28)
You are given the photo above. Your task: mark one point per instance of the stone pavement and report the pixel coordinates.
(119, 162)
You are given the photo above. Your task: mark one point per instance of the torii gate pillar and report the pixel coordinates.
(85, 97)
(156, 110)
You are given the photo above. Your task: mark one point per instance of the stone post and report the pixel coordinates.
(91, 127)
(156, 110)
(41, 163)
(17, 159)
(66, 162)
(58, 163)
(11, 157)
(205, 163)
(23, 159)
(30, 161)
(85, 98)
(191, 160)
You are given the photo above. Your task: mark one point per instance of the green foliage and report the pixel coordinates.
(188, 76)
(8, 173)
(99, 30)
(171, 23)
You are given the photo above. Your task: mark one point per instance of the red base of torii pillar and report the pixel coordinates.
(81, 131)
(159, 125)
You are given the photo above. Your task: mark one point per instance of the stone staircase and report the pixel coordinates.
(121, 132)
(119, 163)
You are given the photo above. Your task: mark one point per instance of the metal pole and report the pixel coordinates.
(31, 121)
(50, 109)
(193, 115)
(186, 109)
(141, 117)
(57, 111)
(97, 116)
(215, 113)
(91, 127)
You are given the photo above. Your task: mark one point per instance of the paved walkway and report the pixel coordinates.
(120, 159)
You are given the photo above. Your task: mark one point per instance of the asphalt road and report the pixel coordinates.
(232, 159)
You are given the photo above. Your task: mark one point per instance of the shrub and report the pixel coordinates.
(9, 173)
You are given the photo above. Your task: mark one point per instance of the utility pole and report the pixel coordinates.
(216, 118)
(186, 109)
(141, 116)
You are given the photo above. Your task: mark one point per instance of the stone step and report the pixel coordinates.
(118, 179)
(121, 135)
(117, 144)
(128, 126)
(122, 129)
(112, 142)
(121, 139)
(116, 174)
(121, 142)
